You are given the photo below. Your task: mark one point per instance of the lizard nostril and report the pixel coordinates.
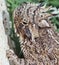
(41, 15)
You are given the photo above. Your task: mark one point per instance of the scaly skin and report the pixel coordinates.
(38, 40)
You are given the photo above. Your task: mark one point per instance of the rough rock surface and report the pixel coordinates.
(3, 37)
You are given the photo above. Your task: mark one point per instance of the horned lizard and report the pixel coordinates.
(39, 42)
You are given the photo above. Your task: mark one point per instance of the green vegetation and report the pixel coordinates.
(12, 4)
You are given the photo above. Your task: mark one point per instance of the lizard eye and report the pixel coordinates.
(24, 23)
